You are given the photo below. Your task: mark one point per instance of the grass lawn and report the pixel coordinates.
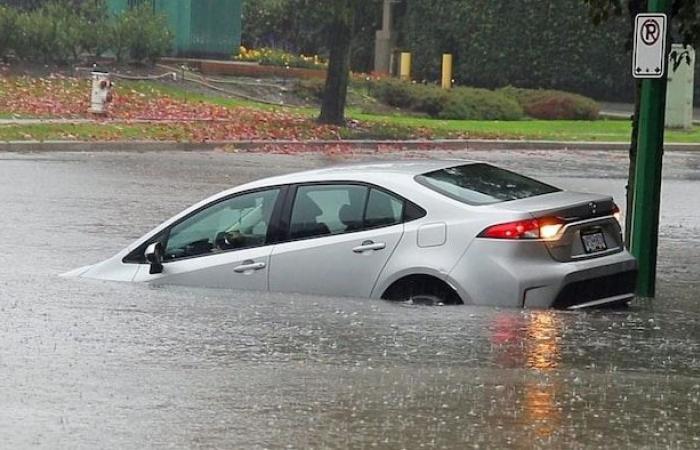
(89, 132)
(548, 130)
(371, 126)
(396, 126)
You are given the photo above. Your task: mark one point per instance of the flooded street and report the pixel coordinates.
(89, 364)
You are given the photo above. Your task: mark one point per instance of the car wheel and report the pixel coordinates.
(425, 300)
(422, 290)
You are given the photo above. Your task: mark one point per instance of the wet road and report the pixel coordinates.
(86, 364)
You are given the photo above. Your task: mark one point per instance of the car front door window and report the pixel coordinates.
(237, 223)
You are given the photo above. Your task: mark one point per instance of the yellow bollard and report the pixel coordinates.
(446, 71)
(405, 69)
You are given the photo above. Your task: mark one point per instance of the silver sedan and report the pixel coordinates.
(424, 231)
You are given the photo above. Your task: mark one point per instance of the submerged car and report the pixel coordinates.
(427, 231)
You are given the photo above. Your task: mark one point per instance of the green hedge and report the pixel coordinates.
(523, 43)
(466, 103)
(554, 105)
(311, 89)
(61, 32)
(459, 103)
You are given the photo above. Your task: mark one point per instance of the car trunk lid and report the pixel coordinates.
(590, 230)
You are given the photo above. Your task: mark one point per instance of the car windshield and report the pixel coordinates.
(483, 184)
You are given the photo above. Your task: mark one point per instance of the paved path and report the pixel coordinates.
(626, 110)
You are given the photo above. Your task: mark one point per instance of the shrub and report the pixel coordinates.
(480, 104)
(36, 38)
(396, 93)
(311, 89)
(141, 33)
(458, 103)
(63, 30)
(554, 105)
(8, 30)
(275, 57)
(94, 16)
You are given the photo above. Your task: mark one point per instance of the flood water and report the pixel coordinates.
(88, 364)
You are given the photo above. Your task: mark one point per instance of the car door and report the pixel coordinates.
(224, 245)
(339, 238)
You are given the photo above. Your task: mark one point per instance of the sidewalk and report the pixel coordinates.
(625, 110)
(329, 146)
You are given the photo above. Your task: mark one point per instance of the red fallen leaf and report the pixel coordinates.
(60, 96)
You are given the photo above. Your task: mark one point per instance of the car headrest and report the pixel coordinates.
(349, 217)
(306, 208)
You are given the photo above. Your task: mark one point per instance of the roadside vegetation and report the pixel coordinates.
(275, 57)
(61, 31)
(150, 110)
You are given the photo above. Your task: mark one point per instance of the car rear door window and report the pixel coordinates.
(327, 209)
(383, 209)
(482, 184)
(236, 223)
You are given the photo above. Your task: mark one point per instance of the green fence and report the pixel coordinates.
(202, 28)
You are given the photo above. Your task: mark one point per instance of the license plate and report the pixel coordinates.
(594, 242)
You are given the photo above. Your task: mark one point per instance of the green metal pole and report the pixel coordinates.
(647, 190)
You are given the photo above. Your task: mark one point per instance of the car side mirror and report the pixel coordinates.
(154, 256)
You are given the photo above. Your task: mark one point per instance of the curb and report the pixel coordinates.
(285, 146)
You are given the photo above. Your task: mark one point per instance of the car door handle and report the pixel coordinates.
(369, 246)
(249, 266)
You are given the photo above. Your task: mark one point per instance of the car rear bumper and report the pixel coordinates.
(523, 274)
(597, 286)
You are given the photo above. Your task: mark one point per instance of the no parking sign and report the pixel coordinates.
(649, 59)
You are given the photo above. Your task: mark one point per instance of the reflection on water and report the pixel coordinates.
(542, 346)
(531, 341)
(543, 354)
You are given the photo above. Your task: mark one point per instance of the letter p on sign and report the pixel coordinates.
(649, 60)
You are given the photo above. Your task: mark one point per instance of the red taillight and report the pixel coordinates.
(616, 213)
(544, 228)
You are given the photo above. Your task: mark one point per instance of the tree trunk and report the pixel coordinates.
(335, 93)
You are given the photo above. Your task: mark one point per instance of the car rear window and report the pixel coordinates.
(483, 184)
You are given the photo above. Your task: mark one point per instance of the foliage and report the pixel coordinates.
(302, 26)
(61, 31)
(34, 4)
(685, 16)
(311, 89)
(524, 43)
(554, 105)
(458, 103)
(466, 103)
(275, 57)
(49, 33)
(142, 33)
(8, 29)
(480, 104)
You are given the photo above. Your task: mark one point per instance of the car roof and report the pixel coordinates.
(364, 171)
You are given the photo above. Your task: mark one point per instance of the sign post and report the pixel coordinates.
(649, 63)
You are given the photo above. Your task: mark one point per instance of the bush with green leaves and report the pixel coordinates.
(142, 34)
(554, 105)
(311, 89)
(459, 103)
(466, 103)
(62, 31)
(8, 30)
(55, 32)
